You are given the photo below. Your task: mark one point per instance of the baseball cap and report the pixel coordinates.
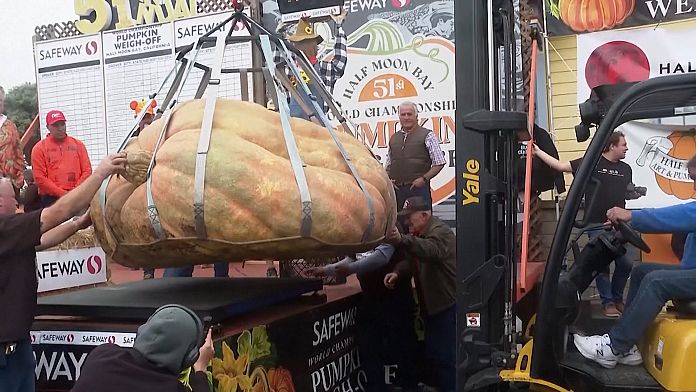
(414, 204)
(54, 116)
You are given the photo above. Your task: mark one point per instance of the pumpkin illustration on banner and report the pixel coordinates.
(591, 15)
(683, 148)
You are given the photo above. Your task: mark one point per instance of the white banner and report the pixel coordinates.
(61, 269)
(633, 55)
(658, 155)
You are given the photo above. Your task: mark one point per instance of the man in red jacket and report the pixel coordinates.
(59, 162)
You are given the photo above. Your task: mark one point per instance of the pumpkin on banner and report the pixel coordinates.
(683, 148)
(592, 15)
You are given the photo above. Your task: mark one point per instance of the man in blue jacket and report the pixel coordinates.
(651, 284)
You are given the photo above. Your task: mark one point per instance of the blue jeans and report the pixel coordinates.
(17, 369)
(222, 270)
(405, 191)
(651, 286)
(440, 346)
(612, 291)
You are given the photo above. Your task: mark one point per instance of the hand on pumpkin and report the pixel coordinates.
(205, 354)
(390, 280)
(394, 236)
(113, 163)
(83, 221)
(617, 214)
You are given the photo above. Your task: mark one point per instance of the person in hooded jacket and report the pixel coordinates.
(171, 341)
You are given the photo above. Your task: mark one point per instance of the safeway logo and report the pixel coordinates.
(400, 3)
(91, 47)
(94, 264)
(33, 338)
(112, 339)
(57, 338)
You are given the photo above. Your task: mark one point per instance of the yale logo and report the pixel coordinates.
(470, 191)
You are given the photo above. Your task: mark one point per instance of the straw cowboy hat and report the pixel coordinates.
(305, 31)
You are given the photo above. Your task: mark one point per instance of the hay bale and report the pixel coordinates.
(81, 239)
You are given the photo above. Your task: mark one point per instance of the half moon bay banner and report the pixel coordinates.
(658, 148)
(401, 50)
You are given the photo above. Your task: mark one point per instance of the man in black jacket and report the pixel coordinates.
(170, 342)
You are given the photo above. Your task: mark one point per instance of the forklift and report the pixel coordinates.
(493, 353)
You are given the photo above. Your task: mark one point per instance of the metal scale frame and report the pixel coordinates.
(279, 88)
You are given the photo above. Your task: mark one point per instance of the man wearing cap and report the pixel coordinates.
(60, 162)
(414, 157)
(307, 40)
(431, 246)
(11, 154)
(172, 340)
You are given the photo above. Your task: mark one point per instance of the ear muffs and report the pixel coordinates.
(192, 352)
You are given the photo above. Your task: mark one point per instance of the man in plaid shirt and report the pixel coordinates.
(414, 158)
(307, 41)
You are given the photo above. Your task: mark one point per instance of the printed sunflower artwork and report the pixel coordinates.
(246, 364)
(249, 365)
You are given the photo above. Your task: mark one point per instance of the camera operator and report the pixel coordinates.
(614, 177)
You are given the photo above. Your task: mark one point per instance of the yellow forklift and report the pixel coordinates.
(493, 353)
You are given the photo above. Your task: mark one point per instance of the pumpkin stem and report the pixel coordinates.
(554, 8)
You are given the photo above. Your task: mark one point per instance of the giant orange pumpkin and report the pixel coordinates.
(683, 148)
(252, 202)
(594, 15)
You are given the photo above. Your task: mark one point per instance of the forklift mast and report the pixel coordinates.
(486, 196)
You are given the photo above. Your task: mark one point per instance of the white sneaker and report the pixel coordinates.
(631, 358)
(597, 348)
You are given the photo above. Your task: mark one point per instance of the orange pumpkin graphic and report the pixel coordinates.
(683, 147)
(594, 15)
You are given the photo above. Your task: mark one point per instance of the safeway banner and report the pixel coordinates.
(658, 151)
(70, 268)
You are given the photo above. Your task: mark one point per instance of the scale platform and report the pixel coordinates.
(215, 297)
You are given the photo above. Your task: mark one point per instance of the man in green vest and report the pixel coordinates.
(414, 158)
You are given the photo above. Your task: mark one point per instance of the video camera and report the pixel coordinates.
(634, 192)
